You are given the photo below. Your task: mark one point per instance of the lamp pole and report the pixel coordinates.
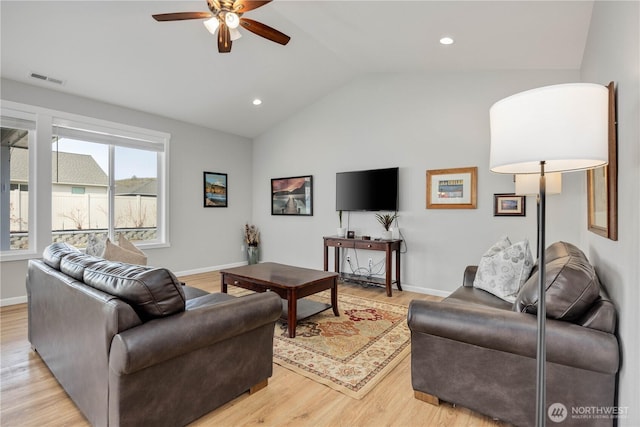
(542, 309)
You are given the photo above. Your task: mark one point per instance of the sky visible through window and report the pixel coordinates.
(129, 161)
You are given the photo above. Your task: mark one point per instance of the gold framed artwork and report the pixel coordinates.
(602, 184)
(452, 188)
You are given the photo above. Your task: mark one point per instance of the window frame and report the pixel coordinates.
(40, 184)
(21, 114)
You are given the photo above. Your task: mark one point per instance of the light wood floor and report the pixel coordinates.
(30, 395)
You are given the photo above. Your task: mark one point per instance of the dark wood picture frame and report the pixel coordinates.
(292, 196)
(215, 190)
(602, 184)
(452, 188)
(509, 204)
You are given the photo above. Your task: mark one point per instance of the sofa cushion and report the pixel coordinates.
(74, 264)
(54, 253)
(571, 284)
(208, 300)
(190, 292)
(470, 295)
(504, 268)
(152, 292)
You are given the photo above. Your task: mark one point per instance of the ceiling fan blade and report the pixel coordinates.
(180, 16)
(264, 31)
(224, 38)
(242, 6)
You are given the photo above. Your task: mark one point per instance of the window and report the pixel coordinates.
(136, 179)
(18, 135)
(100, 177)
(103, 183)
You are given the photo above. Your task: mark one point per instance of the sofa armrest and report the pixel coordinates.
(469, 275)
(162, 339)
(516, 333)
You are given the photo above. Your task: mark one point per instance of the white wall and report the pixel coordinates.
(416, 122)
(613, 54)
(200, 238)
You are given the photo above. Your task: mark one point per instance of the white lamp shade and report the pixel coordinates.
(529, 185)
(566, 126)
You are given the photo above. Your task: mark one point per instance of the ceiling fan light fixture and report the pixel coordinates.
(235, 34)
(232, 20)
(212, 25)
(224, 18)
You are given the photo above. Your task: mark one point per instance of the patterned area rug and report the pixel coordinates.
(351, 353)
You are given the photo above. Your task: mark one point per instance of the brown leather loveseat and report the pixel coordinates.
(479, 351)
(132, 346)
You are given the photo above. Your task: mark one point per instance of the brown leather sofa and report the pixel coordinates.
(479, 351)
(132, 346)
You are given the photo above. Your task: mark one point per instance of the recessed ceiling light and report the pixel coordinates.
(446, 40)
(257, 101)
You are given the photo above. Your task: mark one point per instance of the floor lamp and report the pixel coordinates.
(529, 185)
(558, 128)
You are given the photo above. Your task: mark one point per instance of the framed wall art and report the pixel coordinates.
(602, 184)
(292, 196)
(509, 204)
(215, 190)
(452, 188)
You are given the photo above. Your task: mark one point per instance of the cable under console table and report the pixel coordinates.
(388, 246)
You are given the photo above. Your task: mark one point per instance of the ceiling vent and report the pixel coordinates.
(44, 78)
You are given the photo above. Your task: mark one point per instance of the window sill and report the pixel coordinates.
(18, 255)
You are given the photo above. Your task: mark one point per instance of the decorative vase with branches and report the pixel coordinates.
(251, 235)
(252, 239)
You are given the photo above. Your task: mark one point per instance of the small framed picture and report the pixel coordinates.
(508, 204)
(292, 196)
(215, 190)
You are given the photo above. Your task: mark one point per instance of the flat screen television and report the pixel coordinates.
(367, 190)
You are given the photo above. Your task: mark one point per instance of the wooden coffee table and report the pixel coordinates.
(290, 283)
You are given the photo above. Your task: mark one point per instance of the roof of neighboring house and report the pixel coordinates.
(137, 186)
(67, 168)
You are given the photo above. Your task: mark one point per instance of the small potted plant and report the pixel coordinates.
(387, 220)
(341, 230)
(252, 238)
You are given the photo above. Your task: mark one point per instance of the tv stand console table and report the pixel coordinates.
(388, 246)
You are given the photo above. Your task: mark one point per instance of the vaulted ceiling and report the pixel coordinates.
(113, 51)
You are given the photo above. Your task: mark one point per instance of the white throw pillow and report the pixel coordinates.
(504, 268)
(95, 246)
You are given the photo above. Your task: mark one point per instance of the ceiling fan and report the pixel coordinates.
(225, 17)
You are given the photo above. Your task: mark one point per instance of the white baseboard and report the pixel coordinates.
(208, 269)
(417, 289)
(23, 299)
(426, 291)
(13, 301)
